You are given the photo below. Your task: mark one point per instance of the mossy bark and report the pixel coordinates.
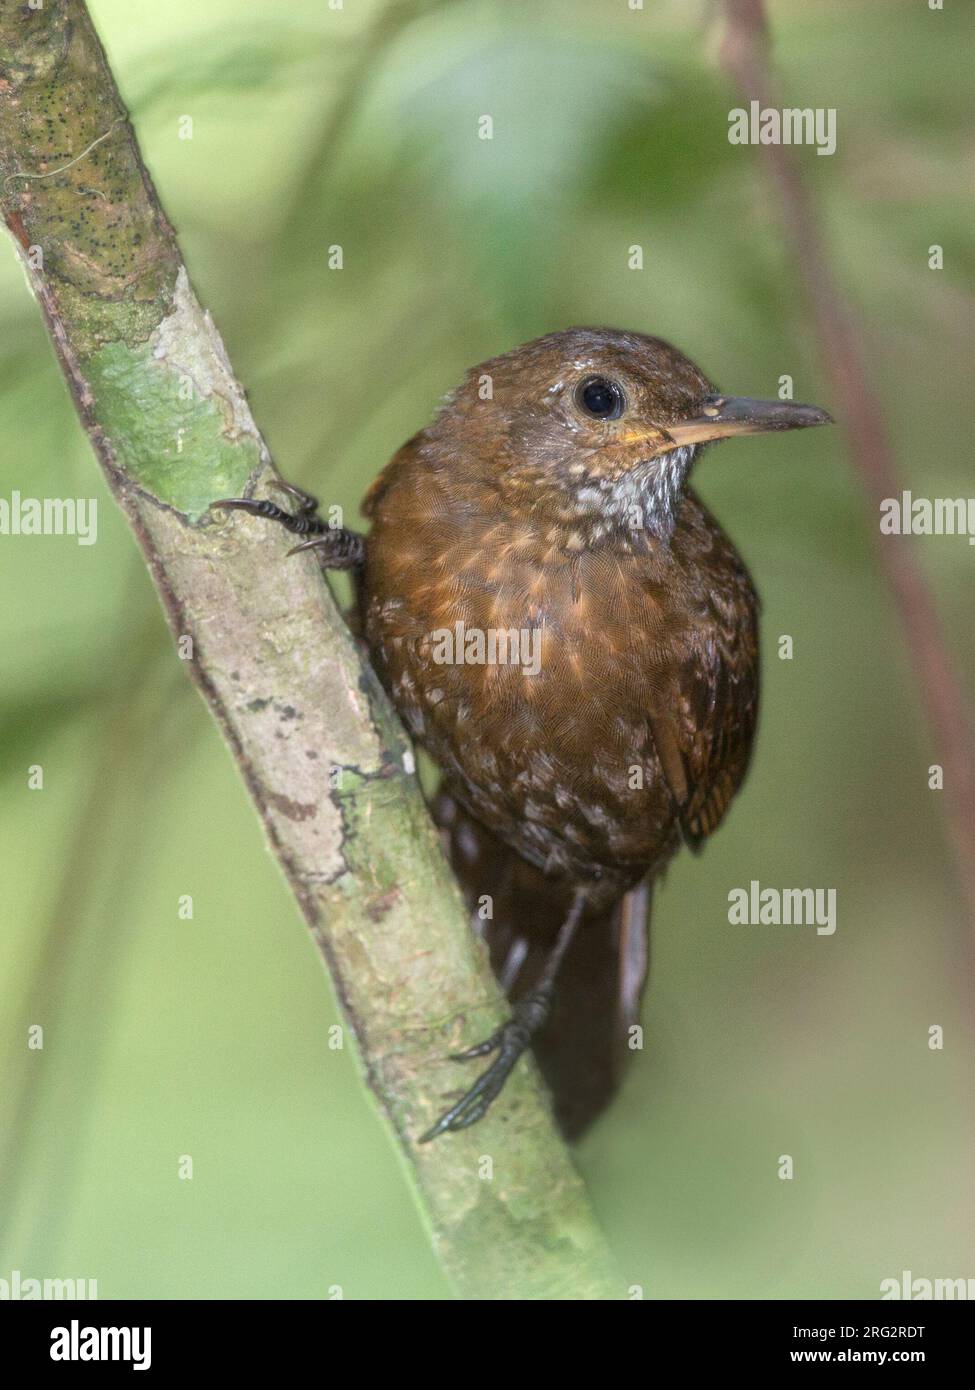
(322, 752)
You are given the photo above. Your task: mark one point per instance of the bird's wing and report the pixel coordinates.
(703, 736)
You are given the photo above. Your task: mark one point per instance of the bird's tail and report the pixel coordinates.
(587, 1041)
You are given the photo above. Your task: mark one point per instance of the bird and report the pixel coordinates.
(566, 629)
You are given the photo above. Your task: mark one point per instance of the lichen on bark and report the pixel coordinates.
(183, 428)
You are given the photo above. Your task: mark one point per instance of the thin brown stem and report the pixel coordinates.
(745, 55)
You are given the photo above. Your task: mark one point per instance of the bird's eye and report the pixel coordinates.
(601, 398)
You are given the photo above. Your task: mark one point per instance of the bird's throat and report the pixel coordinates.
(644, 500)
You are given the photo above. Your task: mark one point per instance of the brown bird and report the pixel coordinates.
(566, 629)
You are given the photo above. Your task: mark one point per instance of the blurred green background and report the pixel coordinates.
(163, 1037)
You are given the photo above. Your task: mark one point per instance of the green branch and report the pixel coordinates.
(321, 751)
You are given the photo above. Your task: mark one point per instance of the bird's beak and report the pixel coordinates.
(723, 416)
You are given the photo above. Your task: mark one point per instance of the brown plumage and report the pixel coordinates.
(567, 630)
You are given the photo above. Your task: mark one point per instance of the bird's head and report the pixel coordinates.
(597, 428)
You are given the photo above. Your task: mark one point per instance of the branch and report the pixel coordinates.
(745, 55)
(320, 749)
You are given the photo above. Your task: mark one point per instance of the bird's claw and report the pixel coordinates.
(337, 548)
(510, 1041)
(257, 506)
(482, 1049)
(260, 506)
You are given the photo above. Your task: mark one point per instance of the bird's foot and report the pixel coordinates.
(338, 548)
(509, 1042)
